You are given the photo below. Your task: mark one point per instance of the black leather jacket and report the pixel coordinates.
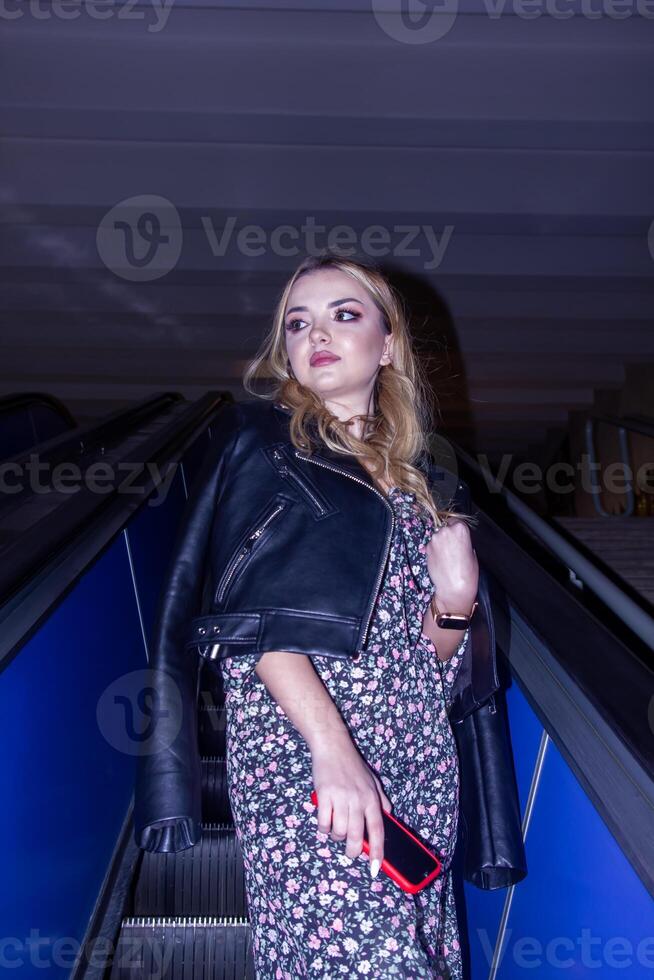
(277, 550)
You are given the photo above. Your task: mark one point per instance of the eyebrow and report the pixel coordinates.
(337, 302)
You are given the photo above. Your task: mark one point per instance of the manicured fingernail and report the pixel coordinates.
(374, 868)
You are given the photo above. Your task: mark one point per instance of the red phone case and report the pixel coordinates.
(394, 873)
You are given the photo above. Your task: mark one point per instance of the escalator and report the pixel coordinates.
(189, 912)
(79, 583)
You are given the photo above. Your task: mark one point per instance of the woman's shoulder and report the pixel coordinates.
(249, 413)
(252, 422)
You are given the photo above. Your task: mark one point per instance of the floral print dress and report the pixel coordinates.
(315, 912)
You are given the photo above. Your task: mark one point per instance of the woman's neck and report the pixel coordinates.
(354, 410)
(379, 483)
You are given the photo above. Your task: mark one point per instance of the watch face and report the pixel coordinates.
(452, 622)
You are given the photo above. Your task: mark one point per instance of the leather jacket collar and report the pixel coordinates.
(348, 462)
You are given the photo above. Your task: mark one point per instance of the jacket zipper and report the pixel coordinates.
(285, 471)
(357, 479)
(244, 552)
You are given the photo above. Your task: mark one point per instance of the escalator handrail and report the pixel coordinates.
(639, 621)
(633, 423)
(98, 431)
(41, 567)
(25, 399)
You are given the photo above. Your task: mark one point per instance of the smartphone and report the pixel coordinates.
(407, 861)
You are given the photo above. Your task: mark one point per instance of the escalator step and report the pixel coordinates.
(211, 729)
(204, 880)
(215, 796)
(207, 948)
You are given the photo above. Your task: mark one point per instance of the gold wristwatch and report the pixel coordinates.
(450, 620)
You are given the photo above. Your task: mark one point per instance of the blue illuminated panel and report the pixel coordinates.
(483, 909)
(69, 734)
(581, 911)
(67, 789)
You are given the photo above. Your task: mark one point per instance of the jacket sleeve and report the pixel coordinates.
(167, 797)
(476, 680)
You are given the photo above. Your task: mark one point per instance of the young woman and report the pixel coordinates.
(369, 732)
(325, 559)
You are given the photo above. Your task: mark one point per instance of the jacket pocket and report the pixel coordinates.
(249, 545)
(289, 472)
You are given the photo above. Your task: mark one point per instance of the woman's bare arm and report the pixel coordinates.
(296, 687)
(350, 795)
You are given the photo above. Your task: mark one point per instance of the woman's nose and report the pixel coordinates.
(319, 332)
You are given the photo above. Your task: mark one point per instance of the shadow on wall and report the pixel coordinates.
(436, 341)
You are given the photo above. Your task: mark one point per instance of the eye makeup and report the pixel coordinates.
(355, 314)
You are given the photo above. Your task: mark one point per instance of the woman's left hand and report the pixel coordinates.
(453, 566)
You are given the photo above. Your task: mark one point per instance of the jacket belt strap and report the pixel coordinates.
(274, 629)
(207, 632)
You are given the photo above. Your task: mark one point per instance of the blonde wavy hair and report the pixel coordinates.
(395, 436)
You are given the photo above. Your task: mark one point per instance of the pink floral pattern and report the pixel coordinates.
(314, 911)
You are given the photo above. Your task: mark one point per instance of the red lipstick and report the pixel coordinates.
(322, 357)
